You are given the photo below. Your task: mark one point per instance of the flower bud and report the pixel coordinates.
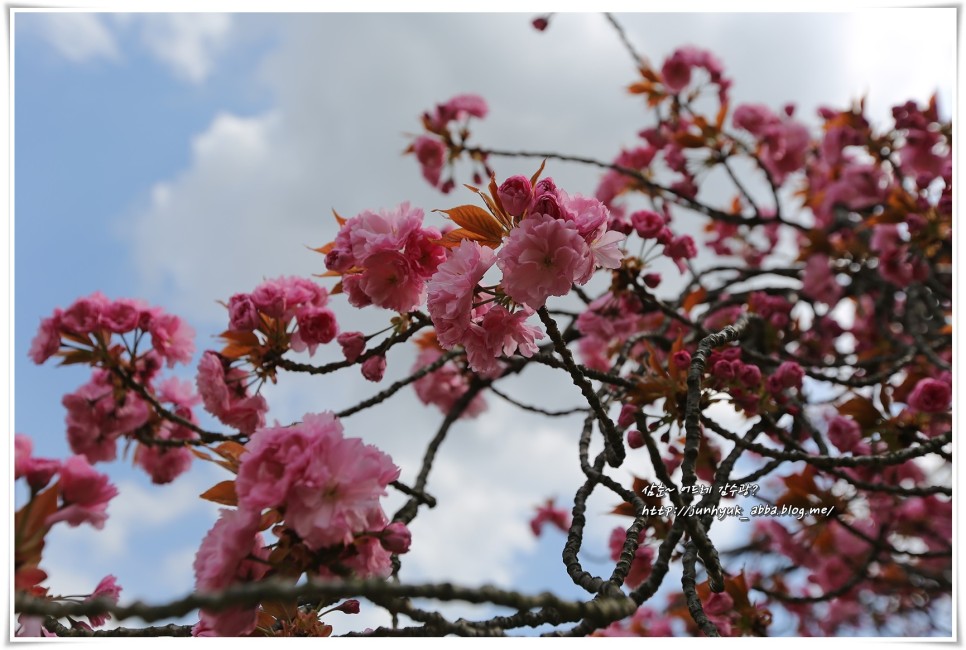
(396, 538)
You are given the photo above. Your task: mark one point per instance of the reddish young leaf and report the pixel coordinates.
(476, 220)
(223, 493)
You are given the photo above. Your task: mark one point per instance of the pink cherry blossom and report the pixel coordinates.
(374, 367)
(819, 282)
(316, 325)
(542, 257)
(328, 485)
(37, 471)
(224, 559)
(844, 433)
(106, 588)
(443, 387)
(353, 345)
(225, 394)
(548, 513)
(516, 194)
(431, 154)
(46, 343)
(451, 290)
(396, 538)
(85, 494)
(930, 396)
(499, 333)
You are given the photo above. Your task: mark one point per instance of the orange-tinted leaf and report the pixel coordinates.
(230, 450)
(689, 140)
(223, 493)
(719, 119)
(476, 220)
(453, 238)
(536, 175)
(324, 249)
(338, 217)
(694, 298)
(337, 289)
(640, 87)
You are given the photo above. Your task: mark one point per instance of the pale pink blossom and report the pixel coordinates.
(431, 154)
(374, 367)
(549, 513)
(353, 345)
(242, 313)
(542, 257)
(172, 338)
(84, 315)
(396, 538)
(122, 315)
(516, 194)
(452, 288)
(225, 394)
(85, 494)
(106, 588)
(223, 559)
(818, 281)
(499, 333)
(328, 485)
(316, 325)
(46, 343)
(443, 387)
(96, 418)
(391, 282)
(37, 471)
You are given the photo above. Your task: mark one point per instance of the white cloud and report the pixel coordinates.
(187, 43)
(79, 37)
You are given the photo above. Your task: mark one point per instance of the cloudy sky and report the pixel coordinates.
(183, 158)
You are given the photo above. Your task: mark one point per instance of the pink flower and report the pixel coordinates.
(783, 149)
(370, 232)
(225, 395)
(753, 118)
(443, 387)
(548, 513)
(499, 333)
(222, 560)
(431, 154)
(85, 494)
(353, 345)
(450, 291)
(542, 257)
(106, 588)
(242, 313)
(37, 471)
(818, 281)
(84, 315)
(647, 223)
(467, 104)
(122, 315)
(627, 415)
(681, 248)
(844, 433)
(95, 418)
(315, 325)
(635, 439)
(46, 343)
(390, 281)
(789, 375)
(516, 194)
(676, 71)
(930, 396)
(172, 338)
(328, 485)
(374, 367)
(396, 538)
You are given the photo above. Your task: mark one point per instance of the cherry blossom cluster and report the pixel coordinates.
(321, 491)
(128, 343)
(80, 495)
(447, 127)
(386, 258)
(444, 386)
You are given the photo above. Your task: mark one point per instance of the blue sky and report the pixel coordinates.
(185, 160)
